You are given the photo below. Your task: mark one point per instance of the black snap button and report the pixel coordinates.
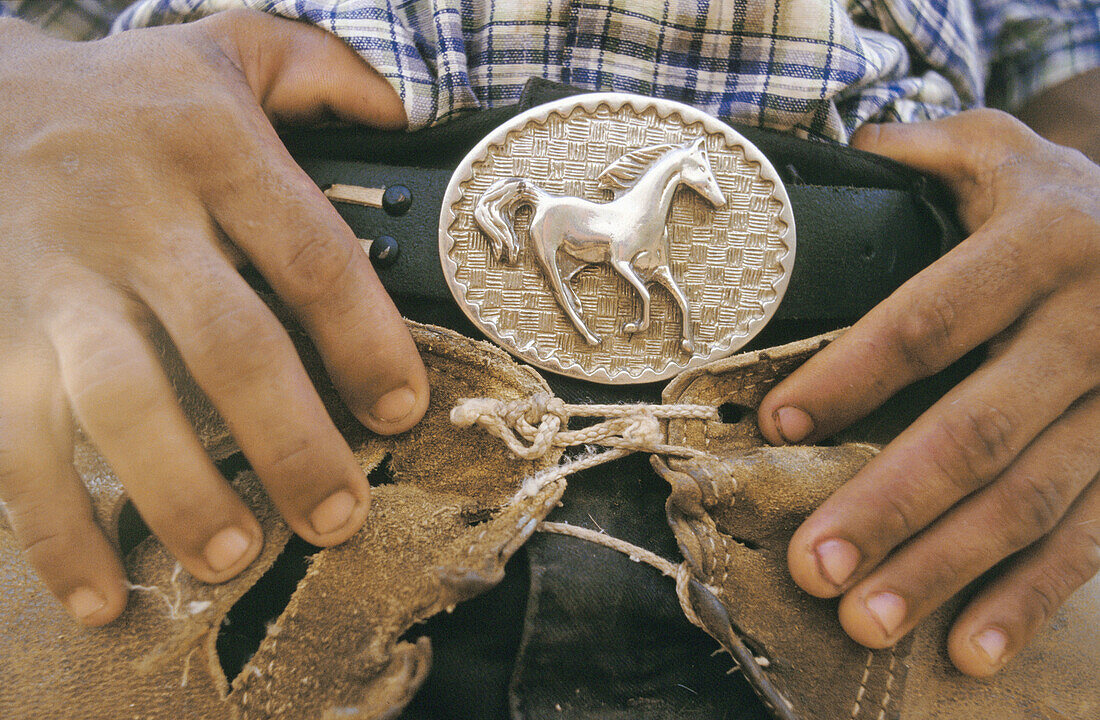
(396, 200)
(384, 251)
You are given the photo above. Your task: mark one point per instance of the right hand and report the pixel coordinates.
(138, 173)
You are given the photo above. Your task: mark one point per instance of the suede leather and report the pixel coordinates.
(439, 534)
(733, 517)
(442, 532)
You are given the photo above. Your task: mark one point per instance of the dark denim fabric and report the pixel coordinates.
(580, 631)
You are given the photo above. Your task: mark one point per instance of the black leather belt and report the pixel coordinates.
(865, 224)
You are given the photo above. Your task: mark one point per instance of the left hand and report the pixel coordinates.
(1007, 462)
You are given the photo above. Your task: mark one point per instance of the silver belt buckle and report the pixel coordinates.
(617, 238)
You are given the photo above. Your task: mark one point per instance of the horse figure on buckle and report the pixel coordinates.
(629, 232)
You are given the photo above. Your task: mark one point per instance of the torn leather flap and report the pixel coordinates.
(733, 515)
(158, 660)
(440, 532)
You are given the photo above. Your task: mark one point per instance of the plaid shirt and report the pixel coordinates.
(815, 68)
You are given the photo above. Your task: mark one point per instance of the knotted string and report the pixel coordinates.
(532, 427)
(542, 422)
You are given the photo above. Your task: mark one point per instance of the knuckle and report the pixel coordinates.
(1029, 508)
(199, 151)
(952, 571)
(232, 347)
(43, 535)
(291, 458)
(181, 523)
(109, 389)
(22, 499)
(243, 172)
(1078, 348)
(1009, 138)
(1052, 584)
(1057, 579)
(12, 473)
(1045, 595)
(1084, 555)
(1010, 128)
(234, 19)
(973, 443)
(924, 334)
(1056, 239)
(318, 265)
(224, 326)
(296, 470)
(900, 516)
(38, 541)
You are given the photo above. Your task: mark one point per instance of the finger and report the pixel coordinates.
(927, 324)
(47, 506)
(964, 441)
(301, 245)
(316, 265)
(127, 408)
(1020, 508)
(1005, 615)
(246, 365)
(299, 72)
(932, 320)
(963, 151)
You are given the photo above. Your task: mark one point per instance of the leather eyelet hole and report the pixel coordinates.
(731, 413)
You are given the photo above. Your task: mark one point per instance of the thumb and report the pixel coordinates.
(301, 73)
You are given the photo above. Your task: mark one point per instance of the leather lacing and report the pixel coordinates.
(532, 427)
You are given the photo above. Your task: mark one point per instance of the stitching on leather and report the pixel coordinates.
(886, 697)
(725, 563)
(475, 543)
(863, 684)
(713, 549)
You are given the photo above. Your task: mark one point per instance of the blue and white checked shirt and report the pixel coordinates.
(814, 68)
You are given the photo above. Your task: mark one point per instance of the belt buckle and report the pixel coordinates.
(558, 224)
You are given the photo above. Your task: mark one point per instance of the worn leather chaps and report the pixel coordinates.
(450, 604)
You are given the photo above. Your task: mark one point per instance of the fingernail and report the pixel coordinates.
(888, 610)
(836, 559)
(333, 513)
(394, 405)
(226, 549)
(85, 602)
(793, 424)
(992, 642)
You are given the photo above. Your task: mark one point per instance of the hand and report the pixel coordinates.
(1005, 465)
(138, 172)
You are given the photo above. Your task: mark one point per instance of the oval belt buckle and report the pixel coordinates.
(617, 238)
